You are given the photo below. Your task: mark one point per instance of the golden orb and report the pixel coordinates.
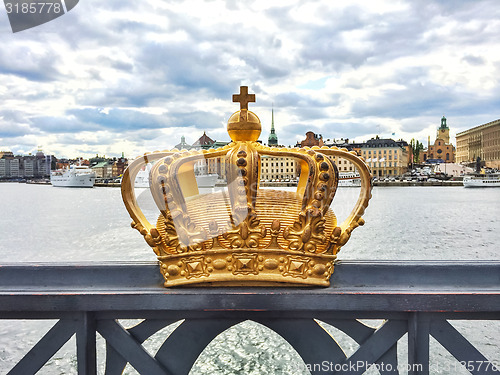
(244, 125)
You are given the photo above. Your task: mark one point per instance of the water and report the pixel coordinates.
(40, 224)
(401, 223)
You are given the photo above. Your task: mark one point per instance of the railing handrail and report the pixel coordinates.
(413, 297)
(355, 285)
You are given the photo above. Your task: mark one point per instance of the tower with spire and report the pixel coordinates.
(273, 138)
(444, 131)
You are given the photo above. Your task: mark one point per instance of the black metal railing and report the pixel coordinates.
(417, 299)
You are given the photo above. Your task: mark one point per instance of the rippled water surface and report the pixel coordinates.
(41, 223)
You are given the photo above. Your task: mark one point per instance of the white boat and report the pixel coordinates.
(482, 180)
(203, 180)
(351, 179)
(142, 177)
(206, 180)
(75, 176)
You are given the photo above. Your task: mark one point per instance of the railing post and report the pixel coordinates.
(418, 343)
(86, 344)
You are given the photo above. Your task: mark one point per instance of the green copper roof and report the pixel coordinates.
(273, 138)
(443, 123)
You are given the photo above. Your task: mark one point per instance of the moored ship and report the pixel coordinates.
(202, 180)
(206, 180)
(350, 179)
(482, 180)
(142, 177)
(75, 176)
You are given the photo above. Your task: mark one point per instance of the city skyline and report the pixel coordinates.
(133, 77)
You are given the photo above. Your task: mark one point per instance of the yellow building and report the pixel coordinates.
(482, 141)
(278, 168)
(386, 157)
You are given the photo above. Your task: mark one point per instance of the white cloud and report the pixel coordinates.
(123, 76)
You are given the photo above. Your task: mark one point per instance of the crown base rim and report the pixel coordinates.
(244, 267)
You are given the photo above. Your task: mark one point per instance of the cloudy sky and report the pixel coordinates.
(133, 76)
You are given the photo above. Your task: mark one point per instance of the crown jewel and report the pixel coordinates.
(243, 234)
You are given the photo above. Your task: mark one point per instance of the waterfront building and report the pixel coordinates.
(212, 166)
(103, 169)
(11, 166)
(279, 168)
(344, 165)
(311, 140)
(29, 166)
(481, 141)
(204, 142)
(14, 167)
(274, 168)
(4, 167)
(119, 166)
(386, 157)
(43, 164)
(6, 154)
(62, 164)
(442, 150)
(452, 169)
(92, 161)
(5, 161)
(182, 145)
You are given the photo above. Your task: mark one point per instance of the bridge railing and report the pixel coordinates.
(419, 299)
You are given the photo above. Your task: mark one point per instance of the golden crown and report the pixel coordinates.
(242, 234)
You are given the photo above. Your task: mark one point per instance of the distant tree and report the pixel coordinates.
(416, 147)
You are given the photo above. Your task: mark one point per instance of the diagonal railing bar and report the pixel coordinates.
(352, 327)
(188, 341)
(461, 348)
(45, 348)
(149, 327)
(115, 363)
(360, 333)
(382, 340)
(128, 348)
(313, 343)
(389, 357)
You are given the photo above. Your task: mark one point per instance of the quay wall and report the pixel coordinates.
(375, 183)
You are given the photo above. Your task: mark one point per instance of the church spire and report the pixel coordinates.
(273, 138)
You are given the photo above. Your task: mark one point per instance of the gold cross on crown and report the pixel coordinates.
(243, 98)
